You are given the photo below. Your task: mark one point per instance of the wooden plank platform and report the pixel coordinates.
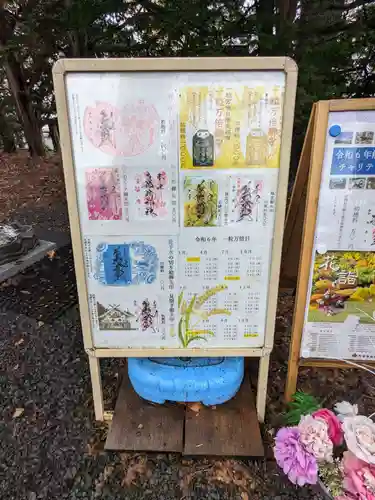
(231, 429)
(38, 253)
(141, 426)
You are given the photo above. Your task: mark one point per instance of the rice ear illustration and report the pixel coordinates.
(209, 293)
(215, 312)
(189, 331)
(180, 297)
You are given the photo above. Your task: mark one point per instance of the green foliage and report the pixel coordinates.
(301, 404)
(332, 477)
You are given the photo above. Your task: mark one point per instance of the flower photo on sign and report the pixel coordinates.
(343, 284)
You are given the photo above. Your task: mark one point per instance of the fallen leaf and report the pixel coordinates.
(18, 412)
(51, 254)
(95, 448)
(134, 468)
(40, 323)
(244, 496)
(101, 481)
(140, 426)
(195, 407)
(20, 341)
(185, 484)
(232, 472)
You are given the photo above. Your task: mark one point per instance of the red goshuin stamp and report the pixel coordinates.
(129, 131)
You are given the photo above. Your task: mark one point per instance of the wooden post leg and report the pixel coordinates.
(264, 363)
(291, 379)
(96, 383)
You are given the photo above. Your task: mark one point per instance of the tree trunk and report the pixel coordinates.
(265, 20)
(24, 108)
(286, 28)
(6, 134)
(54, 134)
(9, 144)
(77, 38)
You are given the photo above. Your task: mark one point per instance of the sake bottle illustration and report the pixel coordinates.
(203, 148)
(256, 147)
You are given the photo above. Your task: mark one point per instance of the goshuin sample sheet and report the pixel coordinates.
(340, 312)
(177, 177)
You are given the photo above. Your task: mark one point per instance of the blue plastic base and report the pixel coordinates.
(210, 380)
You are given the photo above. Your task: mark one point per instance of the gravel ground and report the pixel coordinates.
(52, 449)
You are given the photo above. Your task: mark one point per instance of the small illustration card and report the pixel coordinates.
(127, 131)
(201, 202)
(246, 195)
(150, 195)
(126, 264)
(140, 263)
(103, 194)
(142, 314)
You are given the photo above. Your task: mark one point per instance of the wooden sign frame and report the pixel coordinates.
(65, 66)
(295, 213)
(312, 165)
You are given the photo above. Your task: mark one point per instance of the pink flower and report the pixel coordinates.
(314, 436)
(359, 477)
(334, 425)
(300, 467)
(359, 433)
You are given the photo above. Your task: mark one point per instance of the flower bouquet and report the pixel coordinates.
(333, 449)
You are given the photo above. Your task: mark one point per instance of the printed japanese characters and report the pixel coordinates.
(234, 126)
(132, 287)
(177, 178)
(353, 161)
(246, 199)
(343, 284)
(121, 194)
(127, 131)
(144, 316)
(340, 317)
(151, 194)
(349, 202)
(103, 194)
(201, 202)
(126, 264)
(222, 298)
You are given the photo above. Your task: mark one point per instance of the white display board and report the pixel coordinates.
(176, 173)
(340, 311)
(177, 178)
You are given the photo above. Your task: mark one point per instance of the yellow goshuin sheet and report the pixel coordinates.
(230, 127)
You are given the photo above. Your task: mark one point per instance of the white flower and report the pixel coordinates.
(345, 409)
(314, 436)
(359, 433)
